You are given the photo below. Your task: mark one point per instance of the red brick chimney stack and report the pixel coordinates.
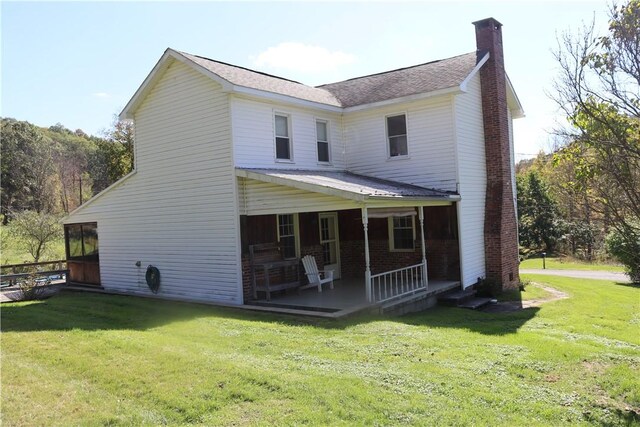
(500, 226)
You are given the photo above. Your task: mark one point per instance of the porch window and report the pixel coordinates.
(283, 140)
(322, 137)
(288, 235)
(82, 242)
(397, 135)
(402, 234)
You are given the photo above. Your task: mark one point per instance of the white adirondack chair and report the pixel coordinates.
(316, 277)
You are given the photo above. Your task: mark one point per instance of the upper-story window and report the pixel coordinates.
(397, 135)
(283, 139)
(322, 137)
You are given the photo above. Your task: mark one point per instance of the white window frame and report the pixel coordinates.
(386, 135)
(328, 141)
(392, 242)
(296, 232)
(275, 137)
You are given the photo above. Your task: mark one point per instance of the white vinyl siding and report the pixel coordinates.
(178, 212)
(473, 182)
(254, 136)
(430, 144)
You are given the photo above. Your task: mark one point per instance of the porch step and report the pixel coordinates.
(456, 298)
(475, 303)
(463, 299)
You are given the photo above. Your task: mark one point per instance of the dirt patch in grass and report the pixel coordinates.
(552, 294)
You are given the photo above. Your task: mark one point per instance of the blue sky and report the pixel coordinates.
(78, 63)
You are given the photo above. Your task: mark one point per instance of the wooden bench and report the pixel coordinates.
(267, 258)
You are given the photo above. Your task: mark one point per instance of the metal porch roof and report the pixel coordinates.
(348, 185)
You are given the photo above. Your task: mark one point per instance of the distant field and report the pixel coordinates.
(92, 359)
(569, 264)
(12, 253)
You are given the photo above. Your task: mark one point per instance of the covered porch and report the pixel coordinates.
(347, 296)
(384, 241)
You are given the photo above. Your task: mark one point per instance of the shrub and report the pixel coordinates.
(31, 288)
(625, 247)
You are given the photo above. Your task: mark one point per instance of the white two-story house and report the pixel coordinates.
(407, 173)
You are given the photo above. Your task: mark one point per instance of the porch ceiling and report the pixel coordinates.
(350, 186)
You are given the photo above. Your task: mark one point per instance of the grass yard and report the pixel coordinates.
(89, 359)
(562, 263)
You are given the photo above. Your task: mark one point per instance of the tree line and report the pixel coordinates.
(585, 197)
(49, 172)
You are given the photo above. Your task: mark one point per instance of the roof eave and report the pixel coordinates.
(156, 72)
(272, 96)
(453, 90)
(481, 62)
(517, 111)
(97, 196)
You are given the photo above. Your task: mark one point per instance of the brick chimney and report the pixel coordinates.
(500, 223)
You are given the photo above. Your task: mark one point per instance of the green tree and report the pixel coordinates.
(35, 231)
(599, 90)
(538, 217)
(26, 168)
(113, 158)
(71, 158)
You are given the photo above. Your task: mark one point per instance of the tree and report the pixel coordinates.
(70, 157)
(599, 90)
(114, 157)
(35, 231)
(538, 217)
(26, 168)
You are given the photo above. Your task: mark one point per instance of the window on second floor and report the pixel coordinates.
(397, 135)
(322, 137)
(283, 139)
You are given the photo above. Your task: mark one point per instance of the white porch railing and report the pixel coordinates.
(398, 283)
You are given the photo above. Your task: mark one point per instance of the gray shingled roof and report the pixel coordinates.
(414, 80)
(348, 182)
(255, 80)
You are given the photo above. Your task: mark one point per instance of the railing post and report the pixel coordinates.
(425, 280)
(367, 262)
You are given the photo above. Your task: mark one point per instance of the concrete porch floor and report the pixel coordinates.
(348, 294)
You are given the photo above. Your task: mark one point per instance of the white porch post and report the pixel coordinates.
(367, 262)
(425, 279)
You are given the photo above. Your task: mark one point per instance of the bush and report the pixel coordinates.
(31, 288)
(625, 247)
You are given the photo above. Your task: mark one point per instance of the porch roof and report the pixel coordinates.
(348, 185)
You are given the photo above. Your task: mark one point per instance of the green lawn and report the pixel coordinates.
(90, 359)
(569, 264)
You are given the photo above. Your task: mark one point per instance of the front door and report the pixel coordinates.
(329, 239)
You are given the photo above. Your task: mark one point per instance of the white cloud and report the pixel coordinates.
(301, 57)
(101, 95)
